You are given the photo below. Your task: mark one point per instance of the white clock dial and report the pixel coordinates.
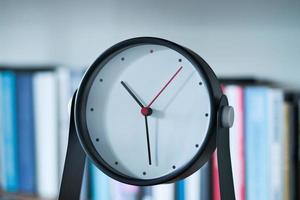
(179, 120)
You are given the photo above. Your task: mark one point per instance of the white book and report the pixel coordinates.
(276, 131)
(164, 191)
(64, 88)
(193, 186)
(46, 127)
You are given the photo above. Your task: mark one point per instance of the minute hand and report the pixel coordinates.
(165, 86)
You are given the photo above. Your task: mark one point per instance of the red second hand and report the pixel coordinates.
(166, 85)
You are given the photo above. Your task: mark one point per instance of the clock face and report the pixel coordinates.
(147, 111)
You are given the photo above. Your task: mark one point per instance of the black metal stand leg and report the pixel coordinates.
(74, 165)
(224, 159)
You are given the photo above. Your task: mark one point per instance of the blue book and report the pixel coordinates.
(180, 187)
(25, 130)
(100, 187)
(256, 132)
(9, 132)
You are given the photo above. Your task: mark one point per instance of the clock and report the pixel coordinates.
(147, 112)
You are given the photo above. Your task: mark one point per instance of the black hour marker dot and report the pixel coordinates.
(206, 114)
(97, 139)
(122, 58)
(151, 51)
(116, 163)
(179, 60)
(174, 167)
(92, 109)
(200, 83)
(144, 173)
(197, 145)
(101, 80)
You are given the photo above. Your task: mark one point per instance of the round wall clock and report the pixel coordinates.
(148, 111)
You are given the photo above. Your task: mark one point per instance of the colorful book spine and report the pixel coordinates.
(100, 184)
(46, 126)
(257, 137)
(9, 133)
(164, 191)
(215, 177)
(276, 131)
(206, 182)
(25, 126)
(180, 190)
(236, 100)
(64, 91)
(146, 193)
(286, 155)
(121, 191)
(192, 186)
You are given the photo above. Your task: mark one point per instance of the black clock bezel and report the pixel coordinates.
(205, 150)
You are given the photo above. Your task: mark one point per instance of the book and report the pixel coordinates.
(122, 191)
(25, 132)
(193, 187)
(180, 190)
(286, 151)
(146, 193)
(205, 181)
(292, 98)
(46, 126)
(9, 132)
(100, 184)
(276, 131)
(257, 137)
(215, 177)
(64, 97)
(164, 191)
(235, 97)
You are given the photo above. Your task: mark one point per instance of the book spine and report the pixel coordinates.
(180, 190)
(46, 145)
(257, 126)
(276, 143)
(287, 159)
(192, 186)
(64, 91)
(10, 151)
(100, 184)
(215, 177)
(164, 191)
(206, 182)
(236, 100)
(25, 126)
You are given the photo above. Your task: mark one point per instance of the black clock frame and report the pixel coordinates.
(218, 100)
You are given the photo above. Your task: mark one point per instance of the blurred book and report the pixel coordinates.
(25, 132)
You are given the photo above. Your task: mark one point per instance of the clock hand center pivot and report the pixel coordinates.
(146, 111)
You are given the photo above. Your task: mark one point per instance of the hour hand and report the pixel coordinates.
(132, 94)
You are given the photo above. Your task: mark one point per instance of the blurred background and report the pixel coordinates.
(253, 46)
